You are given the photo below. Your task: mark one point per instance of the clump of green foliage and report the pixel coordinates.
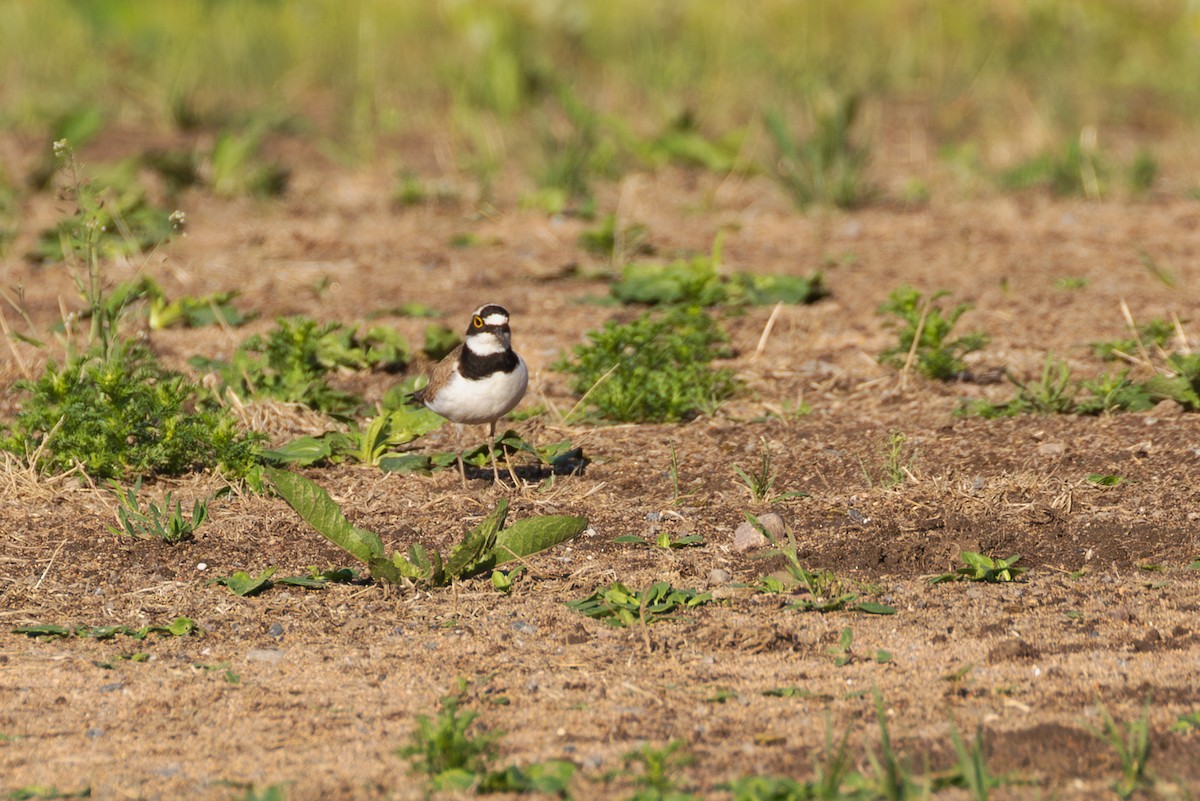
(1056, 392)
(111, 409)
(232, 167)
(290, 363)
(1154, 334)
(924, 332)
(1078, 169)
(454, 756)
(827, 167)
(654, 369)
(165, 523)
(488, 545)
(684, 144)
(1132, 746)
(978, 567)
(615, 241)
(618, 605)
(124, 416)
(698, 282)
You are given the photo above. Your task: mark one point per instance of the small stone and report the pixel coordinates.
(113, 687)
(747, 536)
(719, 575)
(276, 630)
(521, 627)
(93, 734)
(1051, 449)
(264, 655)
(1168, 408)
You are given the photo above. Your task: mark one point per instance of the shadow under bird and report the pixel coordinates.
(480, 381)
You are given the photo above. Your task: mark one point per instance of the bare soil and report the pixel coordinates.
(329, 683)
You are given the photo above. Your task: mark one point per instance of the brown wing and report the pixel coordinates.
(438, 376)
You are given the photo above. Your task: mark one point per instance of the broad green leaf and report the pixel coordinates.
(534, 534)
(313, 504)
(478, 546)
(243, 584)
(303, 451)
(183, 625)
(408, 463)
(45, 630)
(307, 582)
(873, 608)
(409, 422)
(386, 569)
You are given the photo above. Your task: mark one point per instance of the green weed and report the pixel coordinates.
(761, 483)
(684, 144)
(827, 167)
(32, 792)
(244, 585)
(166, 523)
(616, 242)
(655, 771)
(897, 466)
(977, 567)
(1079, 169)
(1056, 392)
(273, 792)
(618, 605)
(179, 627)
(1186, 723)
(113, 216)
(488, 545)
(1154, 334)
(827, 593)
(971, 771)
(1131, 744)
(444, 750)
(663, 540)
(576, 151)
(186, 311)
(698, 282)
(291, 361)
(924, 335)
(124, 416)
(453, 757)
(439, 341)
(654, 369)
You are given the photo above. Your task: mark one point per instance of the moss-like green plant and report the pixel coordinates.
(654, 369)
(122, 417)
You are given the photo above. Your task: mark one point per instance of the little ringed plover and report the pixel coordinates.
(481, 380)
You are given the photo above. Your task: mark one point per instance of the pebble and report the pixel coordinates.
(1051, 449)
(264, 655)
(719, 575)
(747, 536)
(521, 627)
(276, 630)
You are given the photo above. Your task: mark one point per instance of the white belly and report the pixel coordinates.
(465, 401)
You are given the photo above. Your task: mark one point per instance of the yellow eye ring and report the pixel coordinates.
(477, 321)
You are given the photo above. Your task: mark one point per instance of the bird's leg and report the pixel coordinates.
(492, 452)
(458, 449)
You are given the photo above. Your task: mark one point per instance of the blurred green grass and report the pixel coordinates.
(374, 61)
(490, 72)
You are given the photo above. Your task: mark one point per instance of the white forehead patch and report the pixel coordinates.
(496, 319)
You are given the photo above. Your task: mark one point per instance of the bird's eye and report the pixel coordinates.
(477, 321)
